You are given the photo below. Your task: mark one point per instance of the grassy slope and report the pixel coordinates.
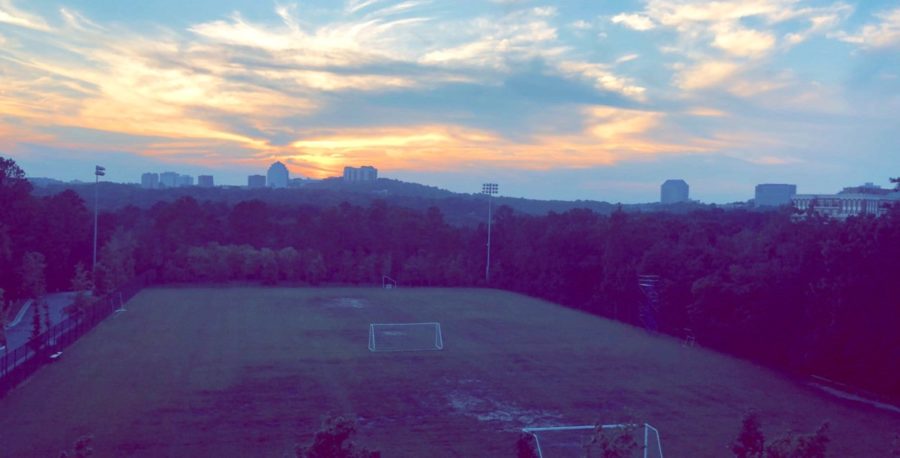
(249, 372)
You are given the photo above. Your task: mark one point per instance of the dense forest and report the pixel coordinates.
(799, 292)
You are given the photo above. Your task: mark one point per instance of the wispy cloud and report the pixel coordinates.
(357, 5)
(885, 33)
(10, 14)
(723, 25)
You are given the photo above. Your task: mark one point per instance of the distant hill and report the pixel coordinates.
(458, 208)
(42, 182)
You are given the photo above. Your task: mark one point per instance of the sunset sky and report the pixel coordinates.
(572, 100)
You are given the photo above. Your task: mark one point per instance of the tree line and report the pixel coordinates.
(798, 292)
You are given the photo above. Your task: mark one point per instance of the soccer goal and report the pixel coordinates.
(578, 441)
(388, 282)
(405, 337)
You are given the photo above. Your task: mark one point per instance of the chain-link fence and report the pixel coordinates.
(18, 364)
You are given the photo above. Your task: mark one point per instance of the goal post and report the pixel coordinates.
(405, 337)
(573, 441)
(388, 282)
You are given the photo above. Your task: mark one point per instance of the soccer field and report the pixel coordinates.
(241, 371)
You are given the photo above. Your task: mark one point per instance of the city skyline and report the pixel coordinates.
(555, 100)
(673, 190)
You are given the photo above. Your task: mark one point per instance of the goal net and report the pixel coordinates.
(624, 440)
(405, 337)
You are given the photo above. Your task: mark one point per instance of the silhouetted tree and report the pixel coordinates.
(612, 443)
(333, 440)
(751, 442)
(116, 263)
(63, 236)
(526, 447)
(249, 223)
(14, 189)
(800, 446)
(268, 266)
(288, 263)
(82, 448)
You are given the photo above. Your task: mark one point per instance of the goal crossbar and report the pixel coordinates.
(533, 431)
(438, 336)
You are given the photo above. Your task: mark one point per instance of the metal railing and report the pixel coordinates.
(18, 364)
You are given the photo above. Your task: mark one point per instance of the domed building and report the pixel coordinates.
(277, 176)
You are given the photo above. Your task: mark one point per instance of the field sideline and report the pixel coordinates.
(241, 371)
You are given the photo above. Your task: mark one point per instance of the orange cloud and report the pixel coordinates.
(609, 135)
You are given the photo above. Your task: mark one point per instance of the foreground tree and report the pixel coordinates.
(751, 443)
(800, 446)
(525, 446)
(81, 449)
(612, 443)
(333, 441)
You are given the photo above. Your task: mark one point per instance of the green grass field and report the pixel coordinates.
(233, 371)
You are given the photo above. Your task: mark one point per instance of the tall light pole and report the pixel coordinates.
(98, 172)
(490, 189)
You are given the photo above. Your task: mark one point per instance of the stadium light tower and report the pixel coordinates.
(490, 189)
(98, 172)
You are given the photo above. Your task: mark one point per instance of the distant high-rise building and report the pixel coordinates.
(168, 179)
(774, 195)
(868, 188)
(278, 175)
(185, 181)
(674, 191)
(350, 173)
(205, 181)
(256, 181)
(368, 173)
(364, 173)
(150, 180)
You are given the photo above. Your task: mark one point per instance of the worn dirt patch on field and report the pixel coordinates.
(469, 397)
(341, 302)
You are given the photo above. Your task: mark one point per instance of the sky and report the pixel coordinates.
(600, 100)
